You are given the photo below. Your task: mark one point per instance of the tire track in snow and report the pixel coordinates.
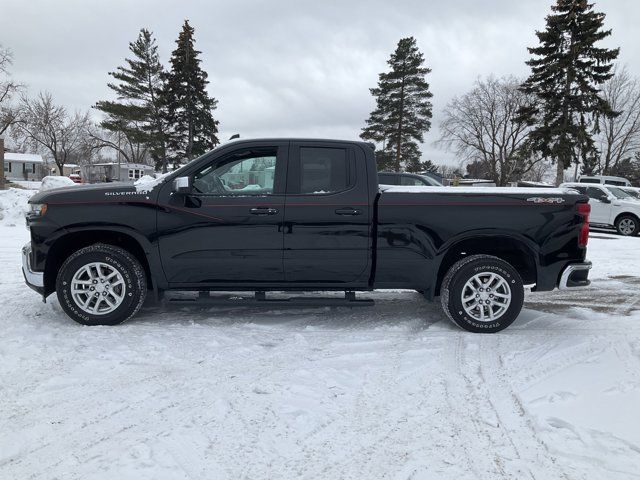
(512, 415)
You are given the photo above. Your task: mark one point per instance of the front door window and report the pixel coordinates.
(249, 173)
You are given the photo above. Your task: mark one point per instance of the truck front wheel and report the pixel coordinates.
(101, 285)
(482, 294)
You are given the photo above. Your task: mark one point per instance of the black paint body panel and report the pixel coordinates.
(389, 240)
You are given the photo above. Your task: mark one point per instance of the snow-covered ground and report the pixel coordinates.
(391, 391)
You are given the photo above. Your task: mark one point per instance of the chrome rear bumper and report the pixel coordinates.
(34, 279)
(575, 275)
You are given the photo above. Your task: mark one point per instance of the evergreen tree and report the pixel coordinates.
(138, 114)
(566, 69)
(428, 166)
(193, 128)
(403, 110)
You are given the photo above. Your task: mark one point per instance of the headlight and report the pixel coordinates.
(38, 208)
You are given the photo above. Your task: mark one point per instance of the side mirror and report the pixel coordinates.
(606, 200)
(182, 185)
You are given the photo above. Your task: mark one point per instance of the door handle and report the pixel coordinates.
(348, 211)
(263, 211)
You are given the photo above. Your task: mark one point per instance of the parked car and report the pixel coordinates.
(605, 180)
(408, 179)
(314, 219)
(611, 207)
(76, 178)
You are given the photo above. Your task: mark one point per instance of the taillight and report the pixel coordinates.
(584, 209)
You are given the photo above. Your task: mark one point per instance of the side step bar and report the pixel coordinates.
(260, 299)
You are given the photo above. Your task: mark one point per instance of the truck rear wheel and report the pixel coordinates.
(482, 294)
(101, 285)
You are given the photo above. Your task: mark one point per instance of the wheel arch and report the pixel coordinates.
(513, 250)
(72, 240)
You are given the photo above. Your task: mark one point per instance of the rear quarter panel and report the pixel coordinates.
(416, 230)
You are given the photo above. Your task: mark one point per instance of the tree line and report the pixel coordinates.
(576, 110)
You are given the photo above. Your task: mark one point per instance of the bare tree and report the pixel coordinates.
(619, 136)
(45, 127)
(8, 88)
(125, 146)
(483, 126)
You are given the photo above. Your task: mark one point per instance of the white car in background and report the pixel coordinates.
(611, 207)
(606, 180)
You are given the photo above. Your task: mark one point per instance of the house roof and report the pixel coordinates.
(22, 157)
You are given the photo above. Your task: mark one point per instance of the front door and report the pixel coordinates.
(600, 206)
(327, 215)
(228, 229)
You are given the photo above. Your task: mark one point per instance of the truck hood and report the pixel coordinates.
(94, 193)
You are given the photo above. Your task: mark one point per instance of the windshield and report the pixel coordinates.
(633, 193)
(619, 193)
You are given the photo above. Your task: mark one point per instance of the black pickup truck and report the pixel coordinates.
(302, 215)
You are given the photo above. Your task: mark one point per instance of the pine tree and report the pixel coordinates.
(428, 166)
(138, 113)
(403, 110)
(566, 69)
(193, 128)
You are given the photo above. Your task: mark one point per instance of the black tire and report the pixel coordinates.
(464, 270)
(133, 276)
(628, 225)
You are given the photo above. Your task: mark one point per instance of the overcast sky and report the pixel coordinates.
(288, 68)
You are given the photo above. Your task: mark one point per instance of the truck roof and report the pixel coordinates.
(296, 139)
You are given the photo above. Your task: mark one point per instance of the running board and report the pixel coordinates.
(260, 299)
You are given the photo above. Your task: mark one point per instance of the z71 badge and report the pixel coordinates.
(545, 200)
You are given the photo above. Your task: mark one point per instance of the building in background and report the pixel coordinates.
(113, 172)
(23, 166)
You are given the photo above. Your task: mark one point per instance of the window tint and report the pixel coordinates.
(596, 193)
(247, 173)
(589, 180)
(615, 182)
(324, 170)
(385, 179)
(412, 181)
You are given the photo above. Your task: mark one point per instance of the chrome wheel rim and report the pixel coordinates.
(486, 297)
(98, 288)
(627, 226)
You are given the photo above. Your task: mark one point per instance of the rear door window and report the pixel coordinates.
(325, 170)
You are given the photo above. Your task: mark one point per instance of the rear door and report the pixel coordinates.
(327, 224)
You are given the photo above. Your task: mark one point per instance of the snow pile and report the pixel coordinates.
(147, 182)
(389, 391)
(13, 206)
(51, 182)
